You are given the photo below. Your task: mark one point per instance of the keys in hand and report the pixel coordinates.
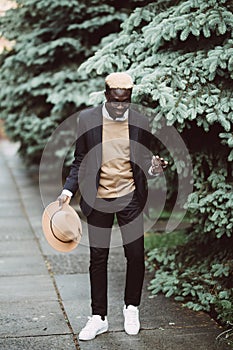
(158, 165)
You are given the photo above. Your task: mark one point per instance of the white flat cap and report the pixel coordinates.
(119, 80)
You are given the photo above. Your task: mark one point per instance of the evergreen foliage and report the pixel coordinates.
(40, 86)
(180, 54)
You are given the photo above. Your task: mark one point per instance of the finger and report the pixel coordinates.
(155, 161)
(155, 165)
(60, 202)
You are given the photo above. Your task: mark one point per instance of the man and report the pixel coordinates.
(112, 162)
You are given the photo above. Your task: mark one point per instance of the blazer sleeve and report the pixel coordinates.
(78, 166)
(146, 140)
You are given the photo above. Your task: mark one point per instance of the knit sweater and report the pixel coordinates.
(116, 177)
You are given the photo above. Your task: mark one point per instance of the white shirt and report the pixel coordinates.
(118, 119)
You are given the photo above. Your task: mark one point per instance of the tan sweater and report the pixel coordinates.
(116, 177)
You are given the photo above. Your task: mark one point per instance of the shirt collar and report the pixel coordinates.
(121, 119)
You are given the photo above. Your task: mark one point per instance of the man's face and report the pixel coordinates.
(118, 101)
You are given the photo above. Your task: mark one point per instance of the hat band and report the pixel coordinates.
(51, 220)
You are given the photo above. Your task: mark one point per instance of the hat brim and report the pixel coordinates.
(48, 213)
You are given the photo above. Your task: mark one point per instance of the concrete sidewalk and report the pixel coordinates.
(44, 295)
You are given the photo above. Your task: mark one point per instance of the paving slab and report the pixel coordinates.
(33, 210)
(22, 265)
(158, 312)
(58, 342)
(81, 250)
(5, 194)
(33, 206)
(68, 263)
(75, 291)
(77, 261)
(30, 318)
(21, 248)
(24, 181)
(11, 209)
(6, 182)
(31, 288)
(5, 173)
(18, 229)
(153, 339)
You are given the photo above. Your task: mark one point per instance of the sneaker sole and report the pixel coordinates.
(101, 331)
(132, 333)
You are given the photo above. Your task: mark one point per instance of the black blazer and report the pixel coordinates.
(85, 170)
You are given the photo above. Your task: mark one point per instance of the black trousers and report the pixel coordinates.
(100, 221)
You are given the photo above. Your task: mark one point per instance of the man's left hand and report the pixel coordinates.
(158, 165)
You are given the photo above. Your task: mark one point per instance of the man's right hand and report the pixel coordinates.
(63, 198)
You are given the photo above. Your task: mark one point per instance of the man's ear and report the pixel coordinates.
(106, 95)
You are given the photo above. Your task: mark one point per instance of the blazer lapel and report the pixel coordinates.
(133, 135)
(98, 135)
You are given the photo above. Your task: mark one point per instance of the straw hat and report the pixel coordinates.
(61, 226)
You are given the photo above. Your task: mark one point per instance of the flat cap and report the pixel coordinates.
(120, 80)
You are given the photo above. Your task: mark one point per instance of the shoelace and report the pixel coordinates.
(132, 317)
(90, 323)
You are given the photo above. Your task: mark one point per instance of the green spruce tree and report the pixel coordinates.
(40, 86)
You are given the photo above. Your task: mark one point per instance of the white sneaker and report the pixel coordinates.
(95, 325)
(131, 315)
